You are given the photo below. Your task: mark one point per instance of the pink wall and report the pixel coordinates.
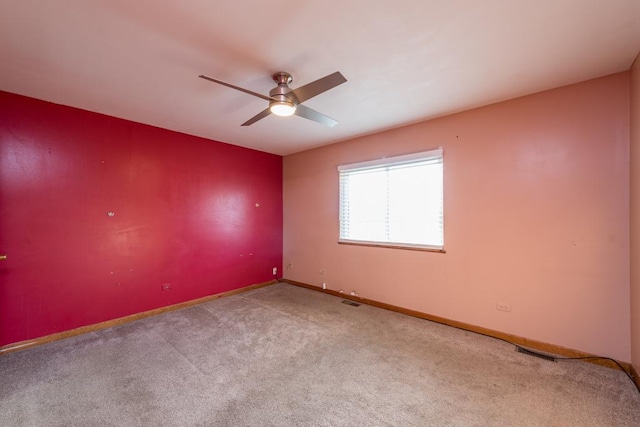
(635, 214)
(184, 213)
(536, 216)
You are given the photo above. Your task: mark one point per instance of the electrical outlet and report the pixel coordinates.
(166, 286)
(275, 271)
(503, 306)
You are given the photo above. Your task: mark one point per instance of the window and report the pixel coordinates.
(394, 202)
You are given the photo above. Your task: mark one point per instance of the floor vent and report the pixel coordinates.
(351, 303)
(536, 354)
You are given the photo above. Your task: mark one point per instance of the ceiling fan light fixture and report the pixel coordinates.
(282, 108)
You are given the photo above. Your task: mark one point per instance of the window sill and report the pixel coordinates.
(392, 246)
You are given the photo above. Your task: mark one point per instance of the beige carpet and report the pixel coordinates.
(287, 356)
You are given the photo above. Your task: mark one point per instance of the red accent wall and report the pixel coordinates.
(98, 213)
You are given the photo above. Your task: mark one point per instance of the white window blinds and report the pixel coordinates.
(395, 201)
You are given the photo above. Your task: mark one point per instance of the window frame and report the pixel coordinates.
(434, 154)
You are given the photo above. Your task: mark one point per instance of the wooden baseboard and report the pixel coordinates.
(23, 345)
(516, 340)
(634, 375)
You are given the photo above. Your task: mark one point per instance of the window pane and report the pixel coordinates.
(367, 205)
(415, 200)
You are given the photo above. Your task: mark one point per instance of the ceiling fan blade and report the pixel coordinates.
(310, 114)
(317, 87)
(257, 117)
(235, 87)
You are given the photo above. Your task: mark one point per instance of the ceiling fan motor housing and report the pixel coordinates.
(283, 103)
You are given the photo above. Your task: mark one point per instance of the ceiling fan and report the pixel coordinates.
(284, 101)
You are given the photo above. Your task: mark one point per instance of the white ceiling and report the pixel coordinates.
(405, 60)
